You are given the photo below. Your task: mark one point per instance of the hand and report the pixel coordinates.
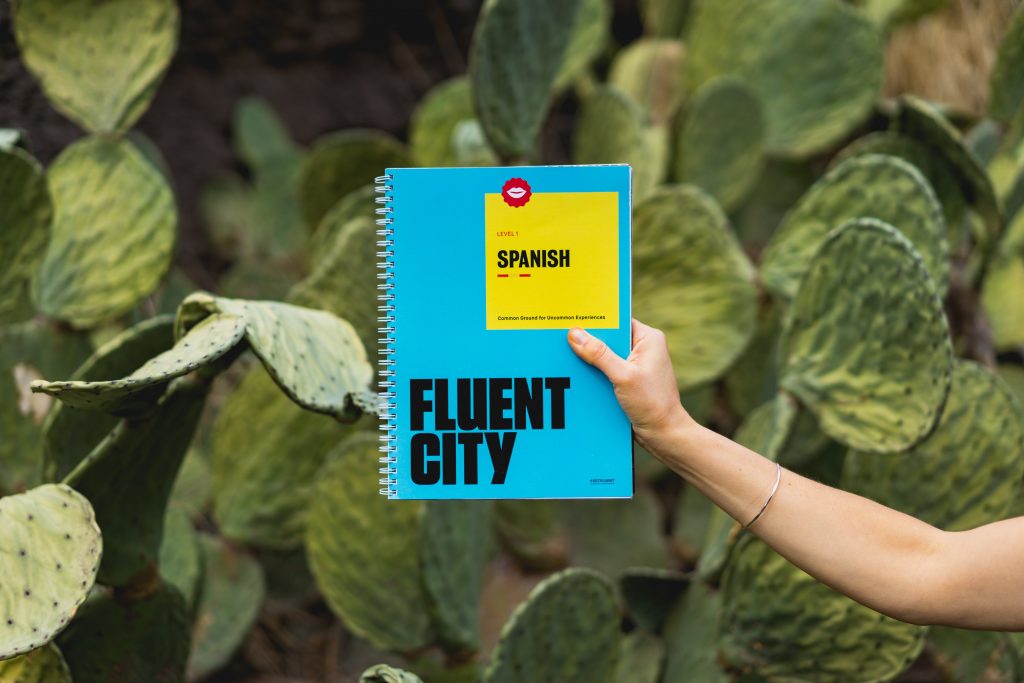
(645, 384)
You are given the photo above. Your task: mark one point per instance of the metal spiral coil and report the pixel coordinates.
(386, 338)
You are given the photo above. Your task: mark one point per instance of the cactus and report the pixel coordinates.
(867, 186)
(98, 64)
(28, 351)
(50, 549)
(232, 592)
(634, 141)
(640, 658)
(967, 655)
(315, 357)
(1000, 288)
(650, 594)
(113, 231)
(533, 532)
(455, 528)
(816, 66)
(444, 130)
(71, 433)
(25, 213)
(977, 450)
(567, 631)
(179, 559)
(691, 637)
(613, 535)
(753, 378)
(357, 204)
(720, 141)
(382, 673)
(360, 549)
(340, 163)
(42, 665)
(133, 640)
(892, 13)
(690, 273)
(866, 346)
(202, 345)
(141, 455)
(1006, 83)
(649, 71)
(779, 623)
(588, 36)
(262, 479)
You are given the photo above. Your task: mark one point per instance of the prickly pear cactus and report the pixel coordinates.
(361, 549)
(50, 550)
(202, 345)
(99, 63)
(866, 345)
(314, 356)
(382, 673)
(342, 162)
(444, 130)
(113, 231)
(613, 535)
(640, 658)
(649, 70)
(359, 203)
(232, 594)
(780, 624)
(25, 214)
(1000, 290)
(720, 141)
(135, 640)
(1007, 84)
(180, 560)
(866, 186)
(650, 593)
(141, 455)
(42, 665)
(71, 433)
(816, 66)
(977, 451)
(691, 637)
(567, 631)
(690, 273)
(532, 530)
(634, 141)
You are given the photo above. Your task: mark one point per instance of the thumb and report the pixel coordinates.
(596, 352)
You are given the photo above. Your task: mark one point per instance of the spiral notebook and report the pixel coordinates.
(482, 273)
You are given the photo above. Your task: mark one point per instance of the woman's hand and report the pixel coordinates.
(645, 384)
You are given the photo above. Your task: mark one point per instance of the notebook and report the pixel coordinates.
(482, 273)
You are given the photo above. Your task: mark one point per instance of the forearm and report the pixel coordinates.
(876, 555)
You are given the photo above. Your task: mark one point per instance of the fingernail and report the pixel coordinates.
(578, 336)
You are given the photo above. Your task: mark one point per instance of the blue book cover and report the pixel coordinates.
(483, 272)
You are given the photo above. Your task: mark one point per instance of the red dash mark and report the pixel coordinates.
(524, 275)
(502, 274)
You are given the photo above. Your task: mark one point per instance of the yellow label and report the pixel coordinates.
(553, 263)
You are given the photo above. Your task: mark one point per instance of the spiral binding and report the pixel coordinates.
(386, 338)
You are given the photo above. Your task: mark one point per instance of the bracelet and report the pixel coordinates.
(775, 487)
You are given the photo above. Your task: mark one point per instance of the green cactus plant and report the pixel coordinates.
(611, 536)
(640, 658)
(533, 531)
(650, 594)
(567, 631)
(866, 345)
(690, 273)
(890, 14)
(444, 130)
(649, 70)
(180, 560)
(98, 64)
(357, 204)
(382, 673)
(691, 637)
(50, 549)
(25, 213)
(1006, 83)
(113, 231)
(43, 665)
(977, 450)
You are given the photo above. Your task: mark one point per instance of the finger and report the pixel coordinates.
(596, 352)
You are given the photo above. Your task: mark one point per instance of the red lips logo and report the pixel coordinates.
(516, 192)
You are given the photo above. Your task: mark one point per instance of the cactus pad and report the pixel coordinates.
(1007, 84)
(640, 658)
(179, 560)
(141, 455)
(70, 433)
(868, 186)
(113, 231)
(691, 637)
(362, 550)
(612, 130)
(1000, 291)
(382, 673)
(977, 450)
(42, 665)
(340, 163)
(614, 535)
(50, 550)
(781, 624)
(719, 144)
(866, 345)
(533, 532)
(450, 529)
(314, 356)
(230, 601)
(131, 640)
(567, 631)
(99, 63)
(25, 214)
(649, 70)
(262, 479)
(650, 594)
(538, 34)
(358, 203)
(691, 274)
(443, 117)
(816, 66)
(202, 345)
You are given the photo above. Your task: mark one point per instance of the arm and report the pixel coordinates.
(887, 560)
